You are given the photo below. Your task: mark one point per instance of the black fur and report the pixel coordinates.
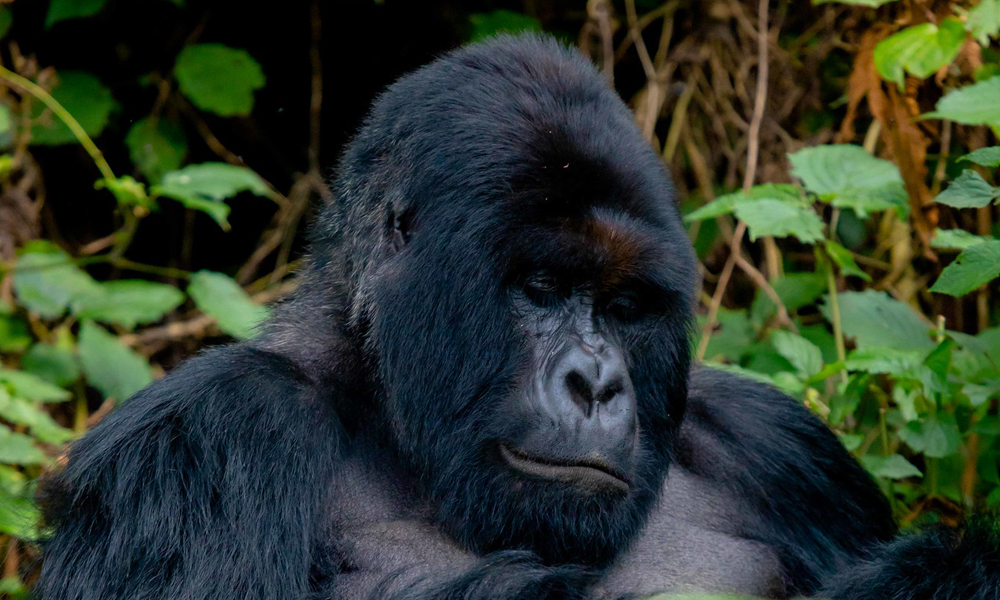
(345, 452)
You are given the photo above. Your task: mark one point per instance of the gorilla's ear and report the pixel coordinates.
(398, 226)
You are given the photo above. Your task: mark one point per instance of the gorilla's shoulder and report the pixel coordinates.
(808, 495)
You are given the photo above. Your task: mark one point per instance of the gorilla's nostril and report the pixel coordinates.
(610, 391)
(580, 391)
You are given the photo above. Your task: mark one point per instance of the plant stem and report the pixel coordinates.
(74, 126)
(838, 332)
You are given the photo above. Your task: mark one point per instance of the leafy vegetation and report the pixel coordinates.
(839, 169)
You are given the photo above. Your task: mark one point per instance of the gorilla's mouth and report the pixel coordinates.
(590, 474)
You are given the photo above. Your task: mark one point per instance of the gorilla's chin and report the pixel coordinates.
(590, 474)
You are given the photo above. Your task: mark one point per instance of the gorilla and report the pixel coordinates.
(483, 388)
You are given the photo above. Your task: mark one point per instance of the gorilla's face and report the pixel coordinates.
(534, 352)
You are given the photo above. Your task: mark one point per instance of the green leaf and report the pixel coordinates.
(875, 319)
(13, 587)
(796, 290)
(969, 190)
(975, 266)
(14, 335)
(6, 20)
(842, 258)
(220, 297)
(62, 10)
(803, 354)
(218, 78)
(26, 385)
(955, 239)
(888, 361)
(974, 104)
(780, 219)
(848, 176)
(485, 25)
(986, 157)
(983, 21)
(920, 50)
(54, 364)
(156, 147)
(890, 467)
(46, 280)
(128, 302)
(204, 187)
(19, 517)
(935, 437)
(111, 366)
(726, 203)
(85, 97)
(19, 449)
(23, 412)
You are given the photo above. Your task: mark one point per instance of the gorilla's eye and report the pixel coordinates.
(544, 288)
(625, 307)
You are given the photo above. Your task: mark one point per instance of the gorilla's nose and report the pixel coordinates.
(593, 383)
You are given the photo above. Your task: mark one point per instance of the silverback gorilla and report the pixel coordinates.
(483, 389)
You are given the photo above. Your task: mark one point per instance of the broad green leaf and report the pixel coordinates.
(974, 104)
(85, 97)
(986, 157)
(62, 10)
(875, 319)
(6, 134)
(127, 191)
(6, 20)
(890, 467)
(54, 364)
(110, 366)
(26, 385)
(975, 266)
(780, 219)
(842, 258)
(14, 336)
(485, 25)
(128, 302)
(969, 190)
(803, 354)
(732, 336)
(218, 78)
(848, 176)
(220, 297)
(46, 280)
(983, 21)
(795, 290)
(935, 437)
(156, 147)
(23, 412)
(920, 50)
(19, 449)
(888, 361)
(204, 187)
(726, 203)
(956, 239)
(19, 517)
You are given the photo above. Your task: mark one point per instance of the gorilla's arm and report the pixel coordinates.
(944, 564)
(206, 484)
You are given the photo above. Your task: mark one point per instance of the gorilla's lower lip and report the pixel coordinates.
(591, 475)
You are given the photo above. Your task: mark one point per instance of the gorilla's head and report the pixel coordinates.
(518, 279)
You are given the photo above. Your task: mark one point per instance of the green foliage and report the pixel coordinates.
(875, 319)
(6, 20)
(974, 104)
(110, 366)
(46, 279)
(128, 302)
(848, 176)
(219, 296)
(485, 25)
(62, 10)
(987, 157)
(970, 190)
(920, 50)
(203, 187)
(156, 147)
(869, 3)
(85, 97)
(218, 78)
(983, 21)
(978, 264)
